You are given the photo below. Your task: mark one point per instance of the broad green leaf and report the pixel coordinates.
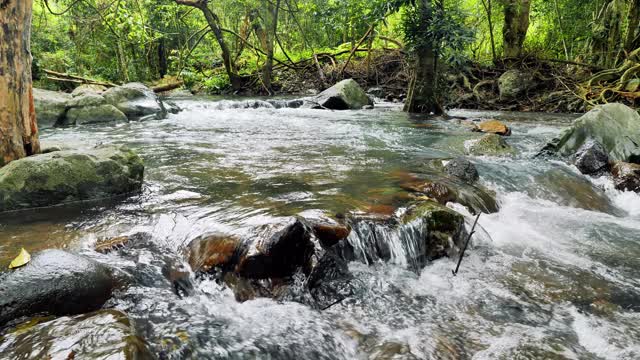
(21, 260)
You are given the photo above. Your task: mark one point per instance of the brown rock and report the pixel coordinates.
(494, 127)
(626, 176)
(436, 191)
(212, 251)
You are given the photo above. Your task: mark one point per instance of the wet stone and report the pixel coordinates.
(106, 334)
(54, 282)
(592, 158)
(214, 251)
(494, 127)
(462, 169)
(626, 176)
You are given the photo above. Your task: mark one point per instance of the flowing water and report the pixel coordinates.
(555, 274)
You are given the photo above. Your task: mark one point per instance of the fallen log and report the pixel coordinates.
(58, 76)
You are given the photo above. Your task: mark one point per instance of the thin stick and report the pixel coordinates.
(473, 230)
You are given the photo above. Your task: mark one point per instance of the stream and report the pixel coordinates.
(555, 274)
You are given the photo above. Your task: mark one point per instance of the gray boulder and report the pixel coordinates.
(592, 158)
(85, 89)
(136, 101)
(514, 83)
(462, 169)
(66, 176)
(50, 106)
(90, 108)
(626, 176)
(615, 126)
(345, 95)
(55, 282)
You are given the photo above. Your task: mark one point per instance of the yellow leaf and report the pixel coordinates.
(21, 260)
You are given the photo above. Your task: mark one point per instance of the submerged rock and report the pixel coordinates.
(462, 169)
(592, 158)
(490, 144)
(494, 127)
(50, 106)
(615, 126)
(55, 282)
(330, 281)
(514, 83)
(106, 334)
(67, 176)
(345, 95)
(626, 176)
(136, 101)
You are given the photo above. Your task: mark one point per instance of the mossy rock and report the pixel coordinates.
(490, 144)
(50, 106)
(615, 126)
(136, 101)
(94, 115)
(66, 176)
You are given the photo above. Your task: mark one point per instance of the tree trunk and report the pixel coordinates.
(422, 97)
(214, 24)
(632, 26)
(272, 33)
(18, 127)
(516, 24)
(488, 8)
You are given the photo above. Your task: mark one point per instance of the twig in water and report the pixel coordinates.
(473, 230)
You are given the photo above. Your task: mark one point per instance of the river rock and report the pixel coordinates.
(626, 176)
(494, 127)
(462, 169)
(50, 106)
(514, 83)
(376, 91)
(55, 282)
(327, 230)
(136, 101)
(91, 108)
(106, 334)
(345, 95)
(214, 251)
(330, 281)
(67, 176)
(85, 89)
(436, 191)
(592, 158)
(490, 144)
(279, 251)
(615, 126)
(445, 228)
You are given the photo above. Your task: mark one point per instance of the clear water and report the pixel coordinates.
(554, 275)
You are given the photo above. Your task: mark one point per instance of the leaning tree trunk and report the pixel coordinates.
(18, 127)
(214, 24)
(516, 24)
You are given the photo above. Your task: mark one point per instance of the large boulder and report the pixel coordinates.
(136, 101)
(615, 126)
(85, 89)
(514, 83)
(65, 176)
(212, 252)
(51, 106)
(106, 334)
(55, 282)
(91, 108)
(345, 95)
(626, 176)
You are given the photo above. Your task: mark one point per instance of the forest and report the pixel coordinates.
(319, 179)
(266, 47)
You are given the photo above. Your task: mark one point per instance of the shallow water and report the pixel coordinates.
(555, 274)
